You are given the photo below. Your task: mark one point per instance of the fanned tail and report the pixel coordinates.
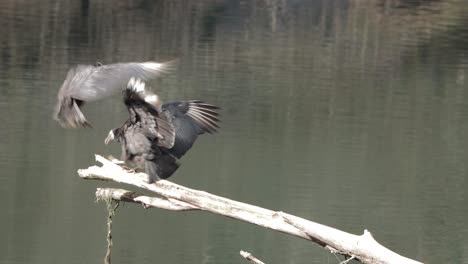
(161, 168)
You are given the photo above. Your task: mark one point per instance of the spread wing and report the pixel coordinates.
(89, 83)
(205, 115)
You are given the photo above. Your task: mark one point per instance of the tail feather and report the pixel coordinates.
(152, 170)
(161, 168)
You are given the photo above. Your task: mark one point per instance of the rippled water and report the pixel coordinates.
(349, 113)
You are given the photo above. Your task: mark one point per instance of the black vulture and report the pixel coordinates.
(86, 83)
(155, 136)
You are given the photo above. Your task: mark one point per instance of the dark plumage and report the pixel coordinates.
(86, 83)
(146, 136)
(190, 119)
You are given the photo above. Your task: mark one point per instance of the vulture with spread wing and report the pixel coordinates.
(156, 136)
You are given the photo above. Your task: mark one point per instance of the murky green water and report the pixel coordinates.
(353, 114)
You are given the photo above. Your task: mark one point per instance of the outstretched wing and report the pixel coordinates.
(85, 83)
(90, 83)
(205, 115)
(190, 119)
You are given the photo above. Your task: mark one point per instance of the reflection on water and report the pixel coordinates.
(349, 113)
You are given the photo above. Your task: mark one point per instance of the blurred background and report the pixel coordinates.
(349, 113)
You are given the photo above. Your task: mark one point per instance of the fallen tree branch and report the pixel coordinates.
(363, 248)
(250, 257)
(359, 245)
(146, 201)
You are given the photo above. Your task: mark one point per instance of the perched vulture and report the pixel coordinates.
(156, 136)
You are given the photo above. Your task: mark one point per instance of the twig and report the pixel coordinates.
(250, 257)
(348, 260)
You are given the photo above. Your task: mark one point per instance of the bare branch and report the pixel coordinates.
(146, 201)
(364, 248)
(251, 258)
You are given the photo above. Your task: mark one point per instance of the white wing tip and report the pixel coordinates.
(163, 67)
(153, 65)
(152, 99)
(136, 85)
(131, 83)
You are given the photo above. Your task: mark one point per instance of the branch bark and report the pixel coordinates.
(176, 197)
(146, 201)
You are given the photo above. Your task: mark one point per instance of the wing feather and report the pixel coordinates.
(90, 83)
(155, 124)
(204, 115)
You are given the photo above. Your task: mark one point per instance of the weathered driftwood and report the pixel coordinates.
(146, 201)
(176, 197)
